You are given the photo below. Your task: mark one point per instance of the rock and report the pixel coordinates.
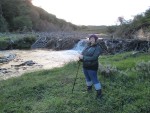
(6, 57)
(27, 63)
(3, 60)
(4, 70)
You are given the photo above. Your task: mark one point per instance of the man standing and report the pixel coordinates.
(89, 57)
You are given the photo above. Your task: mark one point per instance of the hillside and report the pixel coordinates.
(21, 15)
(49, 91)
(139, 27)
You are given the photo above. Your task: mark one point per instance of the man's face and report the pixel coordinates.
(92, 40)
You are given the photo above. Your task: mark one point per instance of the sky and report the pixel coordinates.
(93, 12)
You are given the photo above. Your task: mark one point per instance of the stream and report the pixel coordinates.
(42, 59)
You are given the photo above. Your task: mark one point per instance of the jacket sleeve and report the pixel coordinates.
(81, 60)
(84, 50)
(95, 55)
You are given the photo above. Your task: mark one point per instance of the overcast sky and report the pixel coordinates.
(93, 12)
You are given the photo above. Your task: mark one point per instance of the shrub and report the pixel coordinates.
(143, 69)
(108, 70)
(24, 43)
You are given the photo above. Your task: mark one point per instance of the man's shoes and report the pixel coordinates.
(89, 88)
(98, 94)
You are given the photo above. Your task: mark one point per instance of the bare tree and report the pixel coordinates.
(121, 20)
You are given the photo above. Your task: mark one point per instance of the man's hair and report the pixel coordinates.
(94, 36)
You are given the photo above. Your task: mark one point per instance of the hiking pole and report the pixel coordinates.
(76, 76)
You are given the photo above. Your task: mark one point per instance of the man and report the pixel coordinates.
(89, 57)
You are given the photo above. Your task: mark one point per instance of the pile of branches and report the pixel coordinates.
(113, 46)
(58, 40)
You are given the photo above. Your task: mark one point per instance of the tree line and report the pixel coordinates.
(21, 15)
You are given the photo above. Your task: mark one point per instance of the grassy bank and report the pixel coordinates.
(16, 41)
(49, 91)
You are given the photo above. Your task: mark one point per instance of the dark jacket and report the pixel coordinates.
(90, 57)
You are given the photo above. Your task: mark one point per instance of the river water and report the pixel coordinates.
(44, 59)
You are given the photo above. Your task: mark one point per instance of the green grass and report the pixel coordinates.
(49, 91)
(125, 60)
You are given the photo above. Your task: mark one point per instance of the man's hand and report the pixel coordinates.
(80, 56)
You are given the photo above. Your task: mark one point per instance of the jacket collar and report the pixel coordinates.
(89, 44)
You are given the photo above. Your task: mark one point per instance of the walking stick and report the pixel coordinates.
(76, 76)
